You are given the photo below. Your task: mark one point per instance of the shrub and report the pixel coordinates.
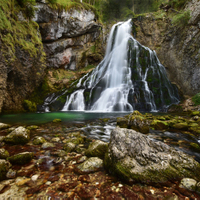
(196, 99)
(181, 19)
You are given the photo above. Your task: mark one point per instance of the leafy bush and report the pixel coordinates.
(181, 19)
(196, 99)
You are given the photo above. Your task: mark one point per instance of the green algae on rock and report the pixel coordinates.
(21, 158)
(97, 149)
(38, 140)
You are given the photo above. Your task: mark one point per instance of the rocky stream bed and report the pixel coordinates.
(61, 161)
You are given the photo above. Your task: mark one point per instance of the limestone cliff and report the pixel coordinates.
(69, 39)
(178, 48)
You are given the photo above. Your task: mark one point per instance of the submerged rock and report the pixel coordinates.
(93, 164)
(39, 140)
(133, 156)
(20, 135)
(21, 158)
(97, 149)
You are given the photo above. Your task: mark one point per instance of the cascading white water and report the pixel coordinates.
(120, 81)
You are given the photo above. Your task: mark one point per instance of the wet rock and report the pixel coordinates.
(33, 127)
(132, 155)
(56, 139)
(20, 135)
(69, 147)
(138, 122)
(3, 154)
(159, 125)
(47, 145)
(188, 183)
(59, 153)
(4, 167)
(93, 164)
(181, 126)
(194, 113)
(21, 158)
(97, 149)
(4, 126)
(11, 174)
(38, 140)
(57, 120)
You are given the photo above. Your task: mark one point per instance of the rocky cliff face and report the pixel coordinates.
(68, 36)
(177, 48)
(70, 41)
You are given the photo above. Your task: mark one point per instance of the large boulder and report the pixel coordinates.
(133, 156)
(20, 135)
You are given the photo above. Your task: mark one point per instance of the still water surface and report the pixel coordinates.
(41, 118)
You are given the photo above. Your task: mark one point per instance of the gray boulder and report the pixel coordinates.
(133, 156)
(20, 135)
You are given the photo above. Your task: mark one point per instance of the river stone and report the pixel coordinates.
(134, 156)
(97, 149)
(181, 126)
(69, 147)
(21, 158)
(47, 145)
(3, 154)
(4, 167)
(4, 126)
(38, 140)
(20, 135)
(93, 164)
(188, 183)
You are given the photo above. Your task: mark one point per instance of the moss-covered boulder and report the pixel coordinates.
(97, 149)
(132, 155)
(21, 158)
(38, 140)
(93, 164)
(194, 113)
(181, 126)
(3, 154)
(20, 135)
(122, 122)
(159, 125)
(4, 167)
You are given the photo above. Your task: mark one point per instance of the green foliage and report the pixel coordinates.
(178, 4)
(196, 99)
(29, 106)
(181, 19)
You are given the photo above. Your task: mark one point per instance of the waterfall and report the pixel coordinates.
(130, 77)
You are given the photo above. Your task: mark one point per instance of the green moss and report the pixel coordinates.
(181, 20)
(196, 99)
(57, 120)
(18, 34)
(21, 158)
(29, 106)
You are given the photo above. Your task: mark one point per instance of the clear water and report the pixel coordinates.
(66, 117)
